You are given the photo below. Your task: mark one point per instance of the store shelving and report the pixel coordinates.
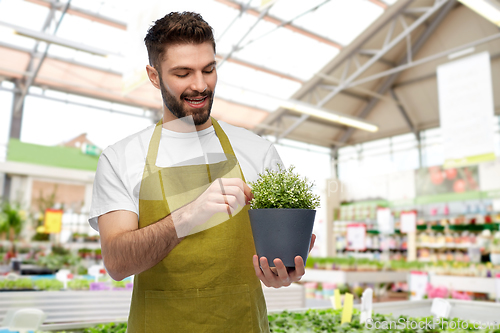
(337, 276)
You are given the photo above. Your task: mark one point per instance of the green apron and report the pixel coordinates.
(207, 283)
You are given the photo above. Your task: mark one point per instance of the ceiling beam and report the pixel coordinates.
(277, 21)
(405, 115)
(65, 60)
(260, 68)
(493, 57)
(379, 3)
(53, 39)
(83, 13)
(353, 48)
(388, 82)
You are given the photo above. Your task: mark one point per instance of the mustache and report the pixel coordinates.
(207, 93)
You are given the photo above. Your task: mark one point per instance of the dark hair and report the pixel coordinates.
(176, 28)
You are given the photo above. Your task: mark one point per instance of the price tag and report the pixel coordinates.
(385, 221)
(96, 271)
(356, 237)
(337, 305)
(347, 310)
(366, 305)
(64, 276)
(440, 308)
(418, 285)
(408, 222)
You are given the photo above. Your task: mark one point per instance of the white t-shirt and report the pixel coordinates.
(120, 168)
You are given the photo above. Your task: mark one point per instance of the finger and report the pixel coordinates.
(236, 193)
(282, 272)
(266, 270)
(313, 240)
(232, 182)
(231, 202)
(248, 192)
(233, 190)
(258, 271)
(299, 269)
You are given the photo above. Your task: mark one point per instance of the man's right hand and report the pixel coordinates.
(224, 195)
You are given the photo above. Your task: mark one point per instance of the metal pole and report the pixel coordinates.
(31, 79)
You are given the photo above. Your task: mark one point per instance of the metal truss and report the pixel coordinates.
(28, 81)
(351, 68)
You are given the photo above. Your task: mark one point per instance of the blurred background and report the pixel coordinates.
(389, 106)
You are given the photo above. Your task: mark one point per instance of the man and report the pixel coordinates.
(171, 201)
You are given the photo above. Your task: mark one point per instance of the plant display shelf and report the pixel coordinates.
(336, 276)
(80, 309)
(464, 310)
(464, 283)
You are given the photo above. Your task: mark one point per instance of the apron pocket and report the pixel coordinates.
(222, 309)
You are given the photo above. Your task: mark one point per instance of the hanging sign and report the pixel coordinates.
(385, 221)
(52, 221)
(356, 237)
(408, 222)
(466, 110)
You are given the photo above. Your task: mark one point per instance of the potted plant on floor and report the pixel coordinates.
(282, 215)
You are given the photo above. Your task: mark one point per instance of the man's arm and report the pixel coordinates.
(128, 250)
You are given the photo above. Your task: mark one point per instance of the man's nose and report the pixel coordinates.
(199, 84)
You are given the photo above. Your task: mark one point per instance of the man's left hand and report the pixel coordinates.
(280, 276)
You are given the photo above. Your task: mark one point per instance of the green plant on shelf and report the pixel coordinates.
(19, 284)
(328, 321)
(57, 261)
(79, 284)
(48, 284)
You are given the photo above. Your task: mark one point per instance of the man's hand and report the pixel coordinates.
(224, 195)
(279, 276)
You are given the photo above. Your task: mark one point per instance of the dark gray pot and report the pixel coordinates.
(282, 233)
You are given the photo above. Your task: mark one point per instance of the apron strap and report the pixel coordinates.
(224, 141)
(154, 144)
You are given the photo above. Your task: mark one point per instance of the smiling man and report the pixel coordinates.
(171, 202)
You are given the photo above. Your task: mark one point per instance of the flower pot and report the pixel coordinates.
(282, 233)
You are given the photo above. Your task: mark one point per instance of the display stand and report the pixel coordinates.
(464, 283)
(319, 275)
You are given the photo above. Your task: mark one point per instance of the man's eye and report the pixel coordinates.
(210, 71)
(179, 75)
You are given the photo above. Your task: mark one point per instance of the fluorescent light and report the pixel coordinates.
(327, 115)
(489, 9)
(49, 38)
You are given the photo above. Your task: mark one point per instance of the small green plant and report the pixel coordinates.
(283, 189)
(79, 284)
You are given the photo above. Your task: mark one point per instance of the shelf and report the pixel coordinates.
(318, 275)
(464, 283)
(445, 247)
(465, 310)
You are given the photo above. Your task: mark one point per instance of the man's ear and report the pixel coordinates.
(153, 76)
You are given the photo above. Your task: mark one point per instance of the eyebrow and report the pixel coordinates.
(189, 68)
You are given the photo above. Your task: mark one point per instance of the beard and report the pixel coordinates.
(174, 105)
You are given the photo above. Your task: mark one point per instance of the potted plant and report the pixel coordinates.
(282, 215)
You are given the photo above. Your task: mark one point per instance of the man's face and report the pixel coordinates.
(187, 81)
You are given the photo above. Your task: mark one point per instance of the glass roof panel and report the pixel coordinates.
(276, 49)
(341, 21)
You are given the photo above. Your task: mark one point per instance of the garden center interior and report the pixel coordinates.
(386, 107)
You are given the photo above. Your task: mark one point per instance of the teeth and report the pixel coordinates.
(195, 101)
